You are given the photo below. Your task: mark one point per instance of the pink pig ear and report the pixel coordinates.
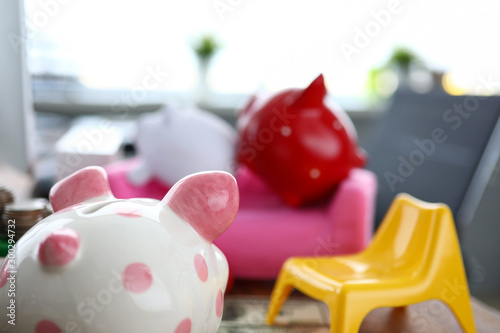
(85, 184)
(208, 201)
(313, 94)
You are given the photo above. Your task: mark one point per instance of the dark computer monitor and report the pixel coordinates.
(438, 148)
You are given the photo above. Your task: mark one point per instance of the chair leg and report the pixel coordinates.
(345, 318)
(338, 320)
(281, 291)
(456, 296)
(461, 308)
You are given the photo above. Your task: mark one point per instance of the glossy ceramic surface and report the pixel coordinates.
(414, 257)
(301, 146)
(101, 264)
(341, 225)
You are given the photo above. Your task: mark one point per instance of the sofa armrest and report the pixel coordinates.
(351, 210)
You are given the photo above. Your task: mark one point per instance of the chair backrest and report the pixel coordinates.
(411, 235)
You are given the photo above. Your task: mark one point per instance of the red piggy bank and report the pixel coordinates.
(301, 147)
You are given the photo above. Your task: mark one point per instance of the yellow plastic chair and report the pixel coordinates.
(414, 257)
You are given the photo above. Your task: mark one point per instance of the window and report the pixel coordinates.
(114, 44)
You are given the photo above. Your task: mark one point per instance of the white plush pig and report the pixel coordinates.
(103, 265)
(173, 143)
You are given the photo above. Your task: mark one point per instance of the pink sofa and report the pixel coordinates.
(266, 232)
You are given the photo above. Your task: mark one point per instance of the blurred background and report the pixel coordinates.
(261, 45)
(107, 45)
(80, 62)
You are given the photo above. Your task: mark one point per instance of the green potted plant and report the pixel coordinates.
(205, 49)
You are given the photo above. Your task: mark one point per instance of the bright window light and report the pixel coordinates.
(265, 44)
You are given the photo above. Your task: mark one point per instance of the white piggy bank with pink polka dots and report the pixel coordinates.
(101, 264)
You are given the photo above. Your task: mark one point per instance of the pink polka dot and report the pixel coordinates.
(128, 210)
(4, 273)
(59, 248)
(201, 267)
(184, 326)
(219, 303)
(47, 326)
(137, 278)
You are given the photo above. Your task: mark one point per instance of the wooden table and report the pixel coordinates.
(246, 305)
